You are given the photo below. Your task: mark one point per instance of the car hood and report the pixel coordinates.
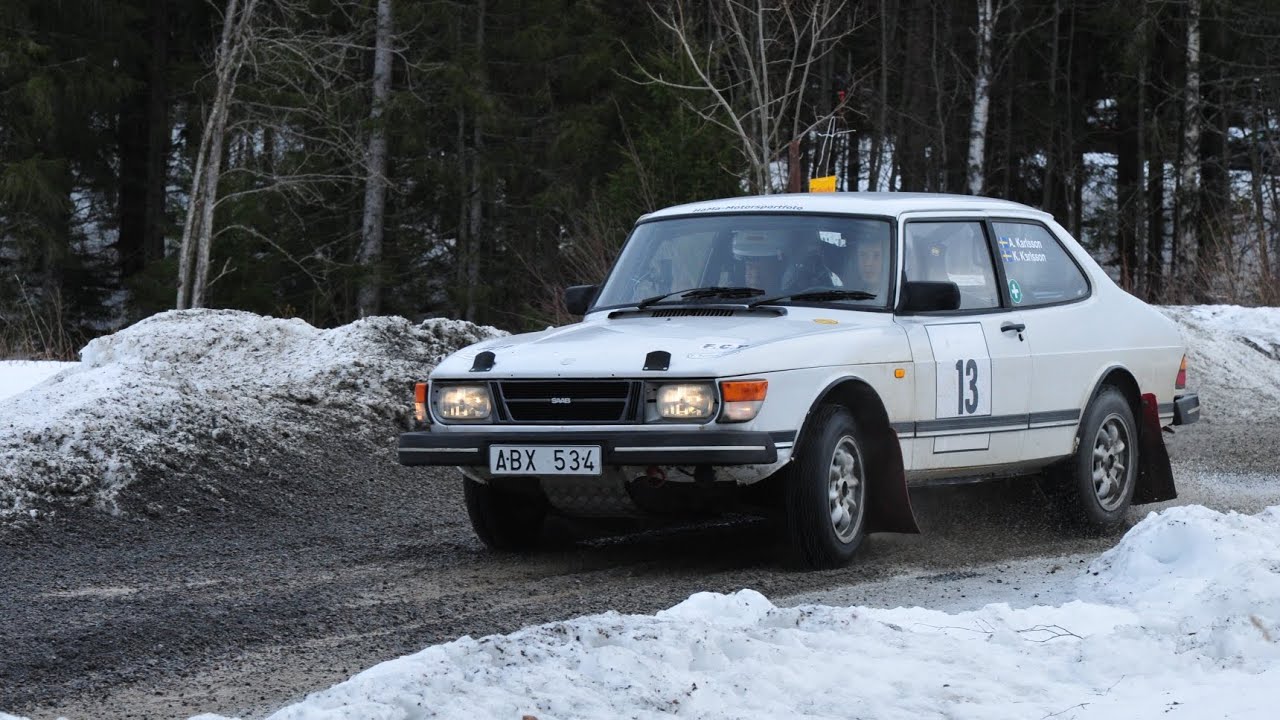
(699, 346)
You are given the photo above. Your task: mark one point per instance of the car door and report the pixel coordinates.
(1053, 292)
(972, 365)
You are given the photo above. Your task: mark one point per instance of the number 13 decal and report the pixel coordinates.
(966, 398)
(963, 381)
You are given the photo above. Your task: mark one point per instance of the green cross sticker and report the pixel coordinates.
(1015, 291)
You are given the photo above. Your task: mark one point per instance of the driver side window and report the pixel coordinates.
(953, 251)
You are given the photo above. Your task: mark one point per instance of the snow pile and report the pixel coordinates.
(1234, 359)
(183, 392)
(1184, 614)
(18, 375)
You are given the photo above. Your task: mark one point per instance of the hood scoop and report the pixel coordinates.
(718, 310)
(692, 312)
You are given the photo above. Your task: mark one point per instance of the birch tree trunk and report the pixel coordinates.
(375, 190)
(981, 99)
(187, 249)
(197, 229)
(1189, 182)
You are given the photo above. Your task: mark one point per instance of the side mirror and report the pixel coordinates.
(921, 296)
(578, 298)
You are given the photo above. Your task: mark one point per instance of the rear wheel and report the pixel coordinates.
(503, 519)
(1096, 486)
(825, 494)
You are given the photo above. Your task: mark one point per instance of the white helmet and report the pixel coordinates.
(748, 246)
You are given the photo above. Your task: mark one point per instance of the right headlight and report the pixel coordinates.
(463, 402)
(686, 401)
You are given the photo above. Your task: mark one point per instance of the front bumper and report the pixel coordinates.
(1186, 409)
(471, 448)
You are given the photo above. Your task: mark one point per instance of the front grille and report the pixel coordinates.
(570, 401)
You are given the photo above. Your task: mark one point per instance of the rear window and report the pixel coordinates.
(1038, 269)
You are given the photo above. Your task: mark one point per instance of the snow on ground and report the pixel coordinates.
(1234, 359)
(1182, 618)
(18, 375)
(183, 391)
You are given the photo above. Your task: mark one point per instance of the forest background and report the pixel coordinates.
(328, 159)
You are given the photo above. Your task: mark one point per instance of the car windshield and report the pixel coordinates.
(779, 255)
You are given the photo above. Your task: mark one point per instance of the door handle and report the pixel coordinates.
(1012, 327)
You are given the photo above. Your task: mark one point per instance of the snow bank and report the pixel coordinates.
(1184, 614)
(184, 391)
(18, 375)
(1234, 359)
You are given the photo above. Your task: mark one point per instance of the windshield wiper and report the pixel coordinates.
(729, 293)
(818, 295)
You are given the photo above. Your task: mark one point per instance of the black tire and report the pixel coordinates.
(810, 495)
(1095, 487)
(504, 520)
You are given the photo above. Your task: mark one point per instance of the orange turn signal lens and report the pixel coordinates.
(420, 402)
(743, 390)
(742, 399)
(1181, 382)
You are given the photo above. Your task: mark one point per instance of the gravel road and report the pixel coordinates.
(241, 595)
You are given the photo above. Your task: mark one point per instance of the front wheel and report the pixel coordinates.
(826, 491)
(1096, 486)
(505, 520)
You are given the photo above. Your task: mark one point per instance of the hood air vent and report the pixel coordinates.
(709, 312)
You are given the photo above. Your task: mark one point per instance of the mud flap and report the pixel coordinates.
(1155, 476)
(888, 503)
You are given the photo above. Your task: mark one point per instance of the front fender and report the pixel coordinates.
(888, 502)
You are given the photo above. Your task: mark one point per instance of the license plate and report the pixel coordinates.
(544, 459)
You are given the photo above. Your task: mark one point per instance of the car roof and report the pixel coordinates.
(854, 203)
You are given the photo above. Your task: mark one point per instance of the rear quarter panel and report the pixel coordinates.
(1074, 346)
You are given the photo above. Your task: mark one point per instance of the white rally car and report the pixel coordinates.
(815, 355)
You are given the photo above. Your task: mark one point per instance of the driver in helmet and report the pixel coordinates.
(761, 258)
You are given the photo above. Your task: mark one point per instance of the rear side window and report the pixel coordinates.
(952, 252)
(1038, 268)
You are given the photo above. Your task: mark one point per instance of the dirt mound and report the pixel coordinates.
(185, 391)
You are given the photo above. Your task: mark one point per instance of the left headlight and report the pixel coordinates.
(463, 402)
(686, 401)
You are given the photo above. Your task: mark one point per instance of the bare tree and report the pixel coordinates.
(754, 69)
(197, 230)
(294, 90)
(1189, 181)
(375, 194)
(987, 17)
